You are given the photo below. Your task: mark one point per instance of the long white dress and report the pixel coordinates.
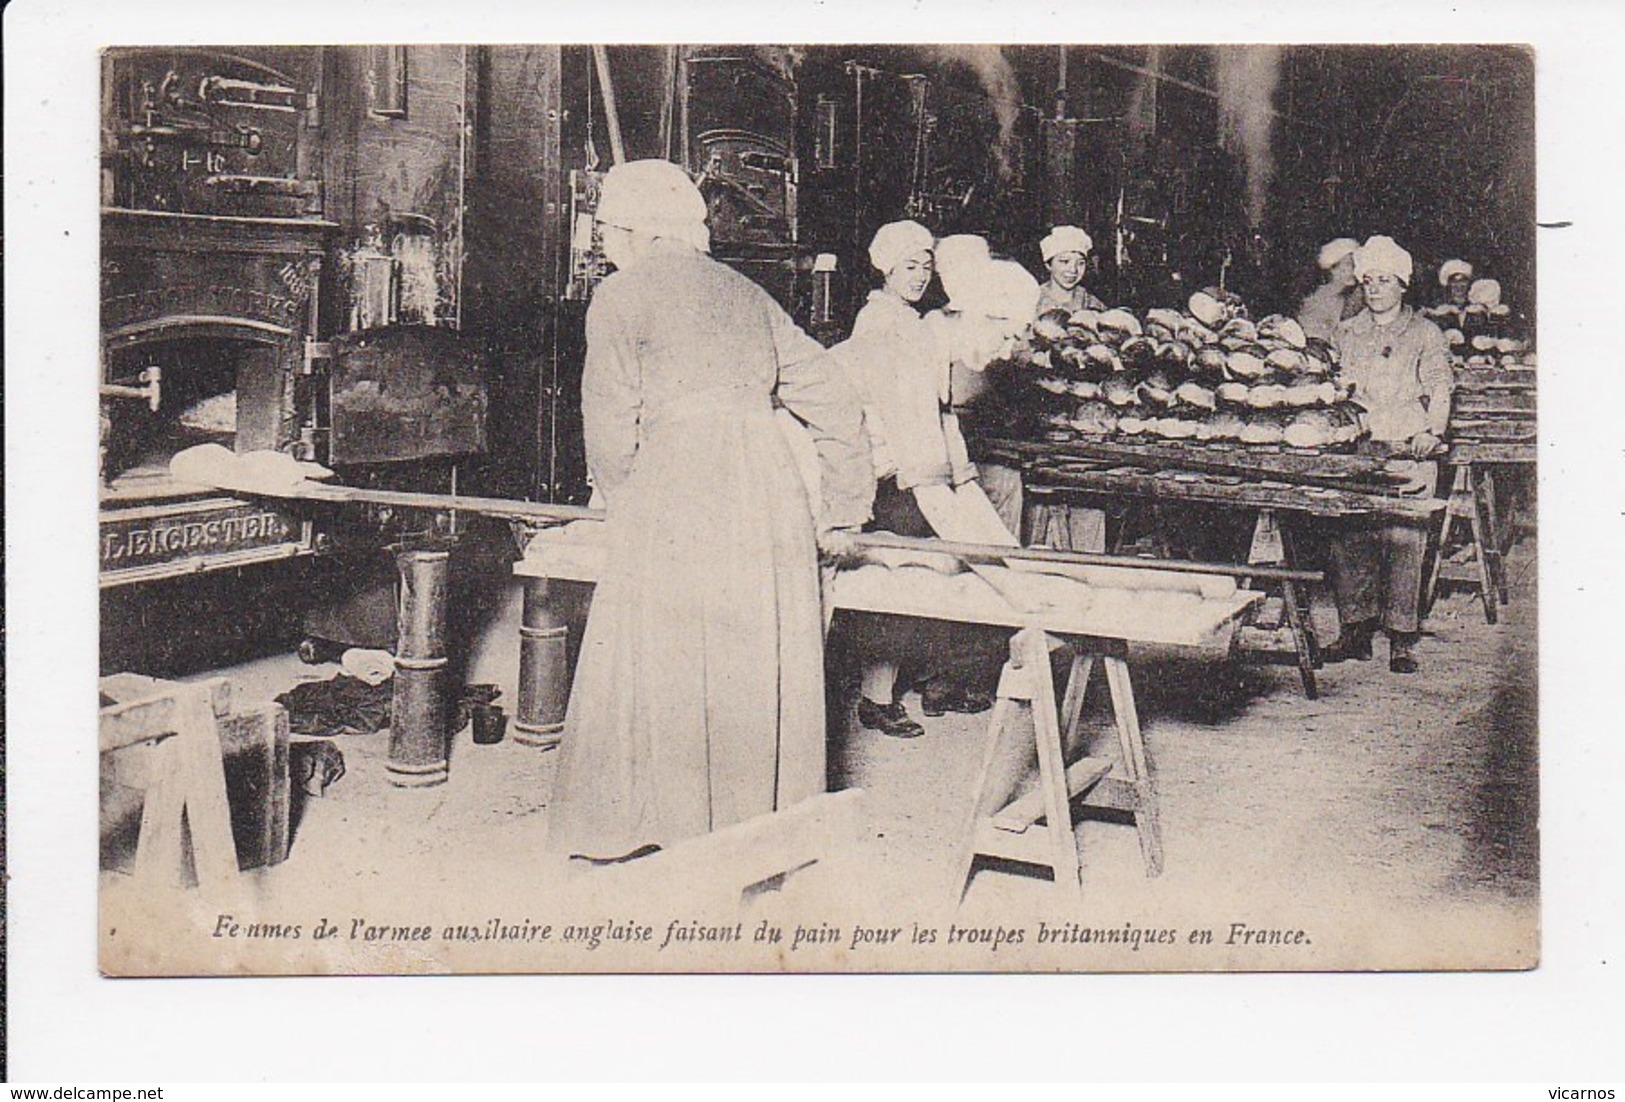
(699, 700)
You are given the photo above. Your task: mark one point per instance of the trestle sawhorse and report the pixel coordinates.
(185, 809)
(1473, 500)
(1099, 620)
(1002, 827)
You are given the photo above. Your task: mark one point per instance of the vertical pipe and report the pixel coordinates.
(544, 671)
(1060, 85)
(668, 95)
(418, 735)
(600, 58)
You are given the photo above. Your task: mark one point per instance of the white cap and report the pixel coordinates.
(895, 242)
(1451, 268)
(959, 257)
(1333, 252)
(1485, 292)
(652, 196)
(1382, 255)
(1001, 289)
(1065, 239)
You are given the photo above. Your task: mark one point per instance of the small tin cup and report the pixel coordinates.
(490, 723)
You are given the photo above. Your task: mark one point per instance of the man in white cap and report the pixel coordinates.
(1399, 366)
(1338, 297)
(1066, 254)
(699, 698)
(1456, 277)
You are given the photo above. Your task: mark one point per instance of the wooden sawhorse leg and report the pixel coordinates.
(1001, 826)
(186, 798)
(1272, 546)
(1471, 499)
(1487, 531)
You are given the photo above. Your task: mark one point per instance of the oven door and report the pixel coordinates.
(403, 394)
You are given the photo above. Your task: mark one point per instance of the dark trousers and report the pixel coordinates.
(932, 654)
(1376, 572)
(1375, 569)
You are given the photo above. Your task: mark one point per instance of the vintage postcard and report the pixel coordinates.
(817, 508)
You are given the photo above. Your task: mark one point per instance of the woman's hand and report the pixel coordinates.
(838, 545)
(1424, 444)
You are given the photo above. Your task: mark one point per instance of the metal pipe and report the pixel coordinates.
(1189, 86)
(419, 735)
(617, 150)
(544, 668)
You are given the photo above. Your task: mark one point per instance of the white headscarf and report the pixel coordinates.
(1382, 255)
(654, 197)
(1485, 292)
(895, 242)
(959, 257)
(1065, 239)
(1333, 252)
(1454, 268)
(1003, 289)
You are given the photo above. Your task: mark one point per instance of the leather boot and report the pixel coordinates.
(1400, 656)
(889, 719)
(1353, 642)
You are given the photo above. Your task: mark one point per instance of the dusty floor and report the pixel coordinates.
(1394, 818)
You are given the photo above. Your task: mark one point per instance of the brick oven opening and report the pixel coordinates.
(218, 389)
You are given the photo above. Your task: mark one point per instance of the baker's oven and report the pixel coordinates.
(232, 303)
(205, 324)
(212, 257)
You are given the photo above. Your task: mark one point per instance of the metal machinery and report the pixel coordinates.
(261, 291)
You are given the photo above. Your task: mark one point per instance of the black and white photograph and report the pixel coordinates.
(716, 542)
(818, 507)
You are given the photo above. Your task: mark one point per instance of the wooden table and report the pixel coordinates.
(1492, 427)
(1265, 482)
(1099, 621)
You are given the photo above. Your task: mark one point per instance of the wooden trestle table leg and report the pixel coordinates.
(1002, 827)
(1482, 541)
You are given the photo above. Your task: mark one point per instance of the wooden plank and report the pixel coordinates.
(1031, 849)
(1026, 809)
(1052, 771)
(1316, 501)
(1494, 431)
(1136, 762)
(1494, 401)
(758, 849)
(1115, 794)
(1364, 471)
(977, 822)
(208, 818)
(1077, 688)
(1483, 378)
(1488, 452)
(1145, 616)
(153, 717)
(979, 552)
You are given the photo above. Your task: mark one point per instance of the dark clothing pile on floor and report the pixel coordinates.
(342, 705)
(345, 705)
